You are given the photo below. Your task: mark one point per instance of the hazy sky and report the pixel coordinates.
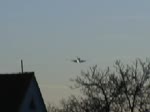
(47, 33)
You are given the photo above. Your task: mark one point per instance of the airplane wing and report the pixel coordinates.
(81, 61)
(75, 61)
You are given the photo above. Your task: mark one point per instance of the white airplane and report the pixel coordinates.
(78, 60)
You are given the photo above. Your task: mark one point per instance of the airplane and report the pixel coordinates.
(78, 60)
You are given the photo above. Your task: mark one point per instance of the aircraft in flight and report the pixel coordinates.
(78, 60)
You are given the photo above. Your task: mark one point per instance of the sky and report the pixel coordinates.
(47, 34)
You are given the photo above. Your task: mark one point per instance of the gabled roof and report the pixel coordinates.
(13, 88)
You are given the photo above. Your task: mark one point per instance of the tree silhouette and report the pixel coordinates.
(124, 89)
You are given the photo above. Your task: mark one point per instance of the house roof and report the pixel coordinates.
(12, 90)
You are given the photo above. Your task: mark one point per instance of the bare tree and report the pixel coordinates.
(100, 87)
(124, 89)
(52, 108)
(73, 104)
(136, 85)
(127, 89)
